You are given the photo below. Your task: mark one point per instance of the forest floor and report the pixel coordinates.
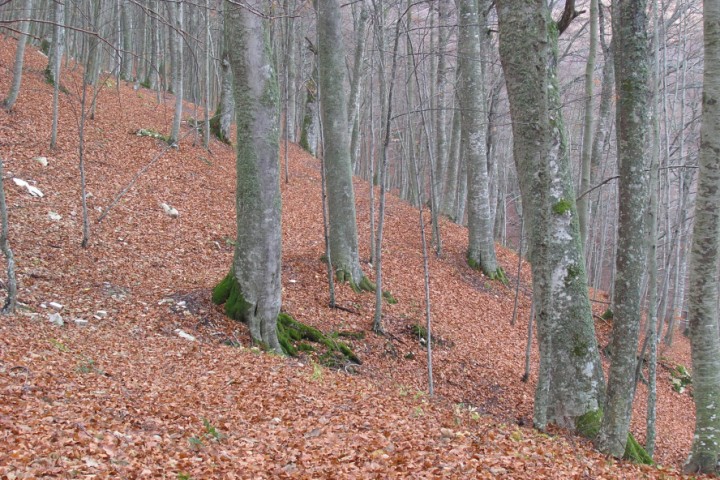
(123, 395)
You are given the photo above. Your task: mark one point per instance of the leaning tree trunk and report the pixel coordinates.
(570, 382)
(333, 108)
(481, 243)
(252, 290)
(632, 67)
(704, 258)
(12, 96)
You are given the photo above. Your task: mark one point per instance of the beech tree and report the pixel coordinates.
(632, 75)
(12, 95)
(333, 109)
(471, 95)
(704, 258)
(251, 291)
(570, 379)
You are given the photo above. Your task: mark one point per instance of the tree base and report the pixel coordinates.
(228, 292)
(588, 426)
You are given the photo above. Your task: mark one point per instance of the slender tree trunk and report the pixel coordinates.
(585, 183)
(54, 64)
(451, 178)
(178, 81)
(441, 157)
(11, 299)
(12, 95)
(356, 81)
(632, 68)
(252, 290)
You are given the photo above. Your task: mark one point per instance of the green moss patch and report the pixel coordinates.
(294, 336)
(146, 132)
(562, 206)
(228, 292)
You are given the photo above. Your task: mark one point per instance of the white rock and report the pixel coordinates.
(56, 319)
(42, 161)
(56, 306)
(80, 322)
(34, 191)
(185, 335)
(54, 216)
(100, 314)
(181, 303)
(169, 210)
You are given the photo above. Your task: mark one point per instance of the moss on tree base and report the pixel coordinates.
(290, 331)
(588, 426)
(228, 292)
(365, 284)
(498, 274)
(216, 130)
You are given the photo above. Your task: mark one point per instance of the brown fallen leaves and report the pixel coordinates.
(126, 397)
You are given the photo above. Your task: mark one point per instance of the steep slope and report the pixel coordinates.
(126, 396)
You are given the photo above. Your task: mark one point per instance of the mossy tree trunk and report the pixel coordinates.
(632, 77)
(471, 95)
(333, 109)
(703, 289)
(252, 291)
(570, 382)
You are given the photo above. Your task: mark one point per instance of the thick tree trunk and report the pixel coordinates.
(333, 108)
(252, 291)
(481, 243)
(703, 262)
(570, 380)
(632, 69)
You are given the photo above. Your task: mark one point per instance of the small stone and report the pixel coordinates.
(100, 314)
(181, 303)
(56, 306)
(185, 335)
(80, 322)
(56, 319)
(498, 471)
(42, 161)
(169, 210)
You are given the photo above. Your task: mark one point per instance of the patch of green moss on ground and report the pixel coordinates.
(290, 331)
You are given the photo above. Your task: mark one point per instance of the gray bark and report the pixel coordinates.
(453, 160)
(12, 95)
(177, 38)
(54, 64)
(481, 244)
(356, 81)
(126, 72)
(570, 381)
(585, 181)
(257, 260)
(333, 109)
(632, 76)
(11, 299)
(441, 156)
(704, 258)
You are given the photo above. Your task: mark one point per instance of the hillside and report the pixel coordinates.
(125, 396)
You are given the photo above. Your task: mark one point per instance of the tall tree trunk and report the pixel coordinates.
(481, 243)
(583, 203)
(441, 113)
(704, 258)
(11, 299)
(453, 160)
(126, 72)
(12, 95)
(178, 82)
(356, 82)
(54, 63)
(632, 68)
(333, 108)
(570, 382)
(252, 290)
